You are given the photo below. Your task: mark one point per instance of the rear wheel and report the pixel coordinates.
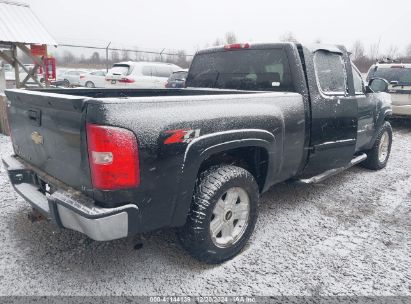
(222, 216)
(378, 156)
(90, 84)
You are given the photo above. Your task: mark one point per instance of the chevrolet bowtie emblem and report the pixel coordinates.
(37, 138)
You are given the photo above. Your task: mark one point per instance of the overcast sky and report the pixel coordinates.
(190, 24)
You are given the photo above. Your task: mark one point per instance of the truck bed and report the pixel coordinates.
(48, 131)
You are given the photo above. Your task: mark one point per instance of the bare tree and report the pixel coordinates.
(230, 37)
(217, 42)
(124, 55)
(392, 52)
(68, 57)
(408, 50)
(115, 57)
(357, 50)
(288, 37)
(137, 54)
(181, 59)
(95, 58)
(373, 51)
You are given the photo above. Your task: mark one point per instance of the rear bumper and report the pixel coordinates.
(404, 110)
(69, 208)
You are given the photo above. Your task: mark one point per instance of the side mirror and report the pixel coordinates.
(377, 85)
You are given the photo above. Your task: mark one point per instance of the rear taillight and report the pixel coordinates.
(113, 157)
(126, 80)
(82, 77)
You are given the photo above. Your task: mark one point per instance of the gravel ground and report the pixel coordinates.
(349, 235)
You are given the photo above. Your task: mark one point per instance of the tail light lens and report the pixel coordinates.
(113, 157)
(236, 46)
(126, 80)
(82, 77)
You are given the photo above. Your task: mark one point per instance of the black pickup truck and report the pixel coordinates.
(111, 163)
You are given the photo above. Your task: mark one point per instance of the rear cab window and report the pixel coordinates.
(246, 69)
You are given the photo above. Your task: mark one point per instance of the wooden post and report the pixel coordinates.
(46, 78)
(37, 61)
(4, 126)
(16, 66)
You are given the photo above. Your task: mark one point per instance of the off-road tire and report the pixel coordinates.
(195, 235)
(373, 161)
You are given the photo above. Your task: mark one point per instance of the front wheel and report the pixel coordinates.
(222, 216)
(379, 154)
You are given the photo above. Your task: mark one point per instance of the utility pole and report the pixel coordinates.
(107, 56)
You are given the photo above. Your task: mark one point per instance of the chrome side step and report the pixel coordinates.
(322, 176)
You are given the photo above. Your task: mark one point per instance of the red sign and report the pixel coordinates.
(38, 50)
(50, 65)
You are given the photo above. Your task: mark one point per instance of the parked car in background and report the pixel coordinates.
(177, 79)
(399, 77)
(140, 75)
(94, 79)
(70, 77)
(11, 76)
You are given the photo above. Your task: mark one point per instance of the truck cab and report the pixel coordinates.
(343, 112)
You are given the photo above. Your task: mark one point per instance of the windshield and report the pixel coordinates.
(120, 69)
(248, 69)
(402, 75)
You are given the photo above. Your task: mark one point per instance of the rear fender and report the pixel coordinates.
(204, 147)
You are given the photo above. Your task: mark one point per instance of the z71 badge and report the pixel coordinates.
(181, 136)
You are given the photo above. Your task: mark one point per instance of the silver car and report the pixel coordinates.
(398, 76)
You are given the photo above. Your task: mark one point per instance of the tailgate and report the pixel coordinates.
(48, 131)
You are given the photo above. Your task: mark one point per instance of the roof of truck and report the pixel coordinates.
(143, 62)
(312, 47)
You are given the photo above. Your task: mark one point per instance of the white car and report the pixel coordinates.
(71, 77)
(398, 76)
(11, 76)
(95, 79)
(141, 75)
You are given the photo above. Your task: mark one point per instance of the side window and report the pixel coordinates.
(163, 71)
(147, 71)
(330, 73)
(358, 83)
